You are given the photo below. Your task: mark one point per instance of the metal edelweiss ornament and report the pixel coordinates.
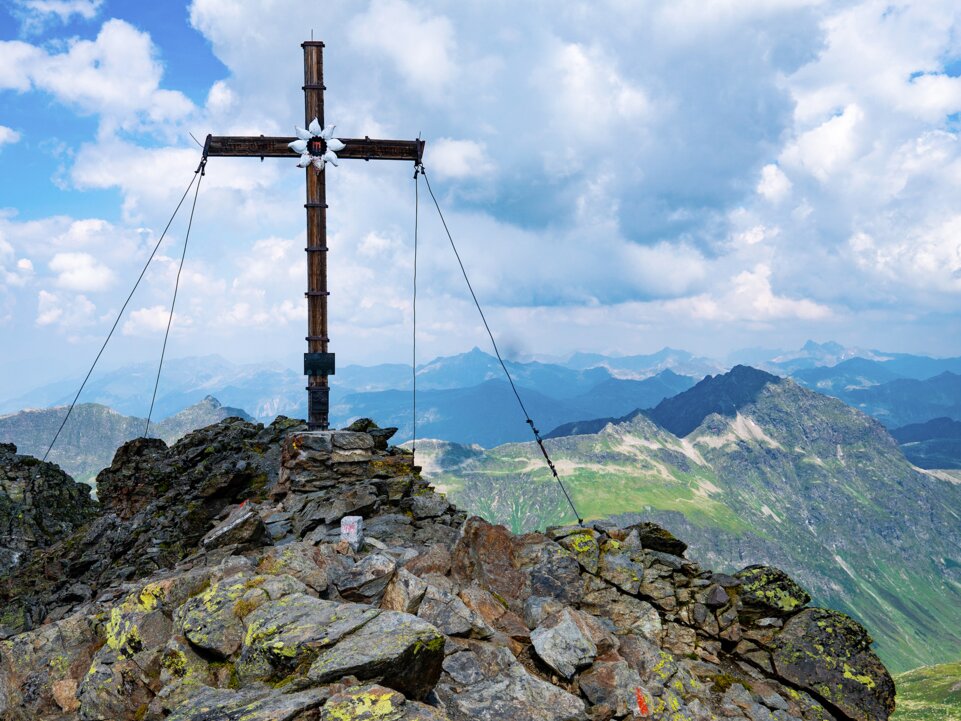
(316, 146)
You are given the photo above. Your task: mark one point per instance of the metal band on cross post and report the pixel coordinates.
(318, 360)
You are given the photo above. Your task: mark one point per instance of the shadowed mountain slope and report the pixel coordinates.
(722, 394)
(907, 401)
(933, 444)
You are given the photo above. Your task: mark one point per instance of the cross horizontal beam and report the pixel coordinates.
(259, 146)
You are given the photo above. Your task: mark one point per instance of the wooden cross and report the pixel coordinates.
(318, 362)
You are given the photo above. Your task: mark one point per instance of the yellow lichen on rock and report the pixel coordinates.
(374, 703)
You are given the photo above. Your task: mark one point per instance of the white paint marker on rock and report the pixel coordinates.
(352, 531)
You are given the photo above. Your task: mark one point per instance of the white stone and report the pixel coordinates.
(352, 531)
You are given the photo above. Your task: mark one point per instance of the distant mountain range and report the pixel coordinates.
(758, 469)
(643, 366)
(94, 432)
(465, 398)
(262, 390)
(488, 413)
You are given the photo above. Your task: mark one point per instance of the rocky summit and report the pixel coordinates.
(39, 504)
(212, 584)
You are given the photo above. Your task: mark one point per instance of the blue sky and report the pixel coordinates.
(706, 174)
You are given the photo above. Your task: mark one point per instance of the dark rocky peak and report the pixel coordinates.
(267, 612)
(723, 394)
(934, 428)
(39, 504)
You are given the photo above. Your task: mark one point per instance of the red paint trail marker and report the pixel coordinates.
(642, 708)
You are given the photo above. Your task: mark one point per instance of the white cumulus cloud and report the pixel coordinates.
(116, 76)
(8, 136)
(68, 312)
(420, 45)
(749, 297)
(152, 321)
(459, 158)
(80, 271)
(36, 11)
(774, 184)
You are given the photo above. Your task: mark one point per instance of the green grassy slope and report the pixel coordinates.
(931, 693)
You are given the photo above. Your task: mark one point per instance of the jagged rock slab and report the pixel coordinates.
(249, 705)
(402, 651)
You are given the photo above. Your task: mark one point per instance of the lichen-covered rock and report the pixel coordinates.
(611, 682)
(288, 633)
(41, 670)
(313, 566)
(376, 703)
(213, 620)
(582, 542)
(160, 503)
(513, 695)
(769, 591)
(118, 683)
(830, 655)
(399, 650)
(114, 687)
(551, 570)
(617, 566)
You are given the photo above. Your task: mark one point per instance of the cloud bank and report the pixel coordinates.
(619, 177)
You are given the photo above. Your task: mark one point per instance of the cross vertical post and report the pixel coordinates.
(318, 387)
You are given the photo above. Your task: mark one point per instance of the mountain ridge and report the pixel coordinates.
(93, 433)
(792, 476)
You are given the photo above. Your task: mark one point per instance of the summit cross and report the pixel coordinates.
(318, 361)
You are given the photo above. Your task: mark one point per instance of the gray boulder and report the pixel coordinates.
(398, 650)
(210, 704)
(562, 643)
(281, 635)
